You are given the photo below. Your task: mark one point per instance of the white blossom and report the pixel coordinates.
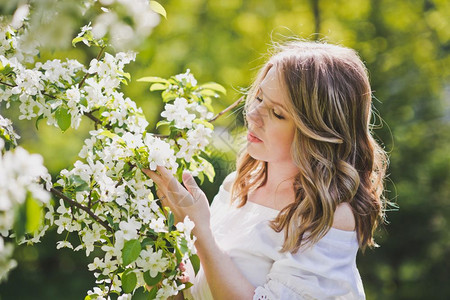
(158, 225)
(152, 261)
(29, 82)
(124, 297)
(178, 113)
(19, 172)
(63, 244)
(168, 288)
(186, 226)
(160, 153)
(130, 228)
(133, 141)
(107, 180)
(187, 78)
(96, 264)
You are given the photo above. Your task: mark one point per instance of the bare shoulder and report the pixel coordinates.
(344, 218)
(228, 181)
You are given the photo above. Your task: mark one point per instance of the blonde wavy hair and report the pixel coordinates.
(337, 157)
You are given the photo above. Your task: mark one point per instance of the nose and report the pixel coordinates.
(255, 114)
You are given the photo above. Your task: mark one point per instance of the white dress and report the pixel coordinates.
(326, 270)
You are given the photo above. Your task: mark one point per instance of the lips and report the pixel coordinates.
(253, 138)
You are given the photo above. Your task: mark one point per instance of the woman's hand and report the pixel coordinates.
(225, 279)
(189, 201)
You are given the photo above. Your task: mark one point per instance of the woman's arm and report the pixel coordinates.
(224, 278)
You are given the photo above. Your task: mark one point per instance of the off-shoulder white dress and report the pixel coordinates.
(326, 270)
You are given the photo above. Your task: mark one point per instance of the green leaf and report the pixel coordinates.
(77, 40)
(63, 118)
(215, 87)
(171, 220)
(37, 121)
(187, 285)
(208, 93)
(151, 281)
(205, 123)
(201, 177)
(147, 242)
(82, 187)
(158, 8)
(33, 213)
(208, 169)
(83, 101)
(207, 102)
(20, 221)
(162, 123)
(151, 197)
(79, 184)
(158, 87)
(183, 246)
(152, 294)
(153, 79)
(109, 219)
(108, 133)
(130, 251)
(129, 281)
(168, 95)
(5, 70)
(195, 261)
(125, 74)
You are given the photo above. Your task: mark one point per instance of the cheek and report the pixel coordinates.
(285, 140)
(287, 143)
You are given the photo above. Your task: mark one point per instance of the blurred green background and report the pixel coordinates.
(406, 47)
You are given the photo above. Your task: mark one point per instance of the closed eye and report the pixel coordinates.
(259, 99)
(277, 115)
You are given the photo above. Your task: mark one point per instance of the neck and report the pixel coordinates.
(281, 175)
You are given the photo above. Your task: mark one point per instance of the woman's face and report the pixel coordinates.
(270, 128)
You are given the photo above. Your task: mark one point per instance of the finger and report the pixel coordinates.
(160, 194)
(175, 191)
(162, 197)
(165, 174)
(153, 176)
(191, 185)
(147, 172)
(166, 179)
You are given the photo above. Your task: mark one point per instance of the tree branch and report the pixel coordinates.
(87, 113)
(96, 120)
(7, 84)
(66, 199)
(102, 49)
(317, 18)
(236, 103)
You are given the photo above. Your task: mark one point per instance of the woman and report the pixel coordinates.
(307, 190)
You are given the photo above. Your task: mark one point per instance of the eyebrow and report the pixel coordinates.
(272, 101)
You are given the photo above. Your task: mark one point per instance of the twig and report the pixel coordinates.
(96, 120)
(11, 85)
(82, 207)
(102, 49)
(236, 103)
(7, 84)
(87, 113)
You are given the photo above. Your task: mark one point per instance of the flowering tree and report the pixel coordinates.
(104, 199)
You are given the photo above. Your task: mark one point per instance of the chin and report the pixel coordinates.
(256, 154)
